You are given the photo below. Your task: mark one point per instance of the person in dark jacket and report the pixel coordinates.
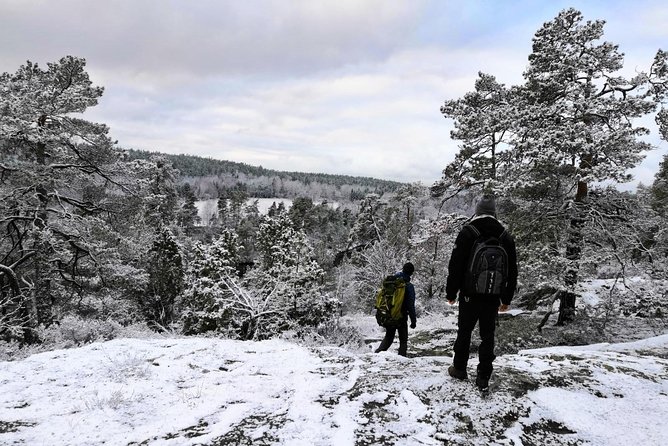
(474, 310)
(407, 310)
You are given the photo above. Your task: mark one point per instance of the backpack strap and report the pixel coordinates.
(476, 233)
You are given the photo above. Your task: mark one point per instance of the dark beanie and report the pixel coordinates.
(486, 206)
(408, 269)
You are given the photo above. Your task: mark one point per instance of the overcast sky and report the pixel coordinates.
(344, 86)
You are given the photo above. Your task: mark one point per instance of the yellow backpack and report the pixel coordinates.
(389, 300)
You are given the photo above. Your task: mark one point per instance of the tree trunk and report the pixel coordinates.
(567, 297)
(41, 305)
(432, 270)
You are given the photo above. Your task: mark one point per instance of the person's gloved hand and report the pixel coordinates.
(412, 324)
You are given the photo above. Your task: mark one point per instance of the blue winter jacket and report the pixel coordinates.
(408, 308)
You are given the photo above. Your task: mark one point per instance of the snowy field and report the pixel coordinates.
(203, 391)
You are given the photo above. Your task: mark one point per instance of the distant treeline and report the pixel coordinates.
(210, 176)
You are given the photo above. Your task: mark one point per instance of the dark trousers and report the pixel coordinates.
(389, 338)
(470, 313)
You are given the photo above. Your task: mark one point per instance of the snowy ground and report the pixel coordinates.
(197, 391)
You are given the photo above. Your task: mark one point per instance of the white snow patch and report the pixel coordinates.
(193, 391)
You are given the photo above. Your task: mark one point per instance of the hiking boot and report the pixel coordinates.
(456, 373)
(482, 382)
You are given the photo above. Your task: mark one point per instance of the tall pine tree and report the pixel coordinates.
(572, 124)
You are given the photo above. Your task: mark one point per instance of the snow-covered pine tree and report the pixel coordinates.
(186, 216)
(368, 227)
(577, 126)
(655, 241)
(408, 203)
(325, 226)
(659, 189)
(290, 275)
(231, 204)
(208, 298)
(569, 126)
(62, 190)
(662, 122)
(165, 278)
(161, 202)
(483, 122)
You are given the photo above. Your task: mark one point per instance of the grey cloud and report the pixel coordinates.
(326, 86)
(205, 37)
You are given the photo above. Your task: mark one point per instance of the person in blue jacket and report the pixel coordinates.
(407, 310)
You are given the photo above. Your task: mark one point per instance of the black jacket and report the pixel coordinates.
(487, 225)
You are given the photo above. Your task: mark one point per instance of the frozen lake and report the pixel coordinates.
(207, 208)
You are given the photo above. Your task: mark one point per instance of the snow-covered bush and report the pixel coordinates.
(344, 335)
(110, 303)
(283, 293)
(14, 319)
(74, 331)
(362, 275)
(647, 299)
(430, 247)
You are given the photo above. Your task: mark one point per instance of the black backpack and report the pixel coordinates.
(487, 270)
